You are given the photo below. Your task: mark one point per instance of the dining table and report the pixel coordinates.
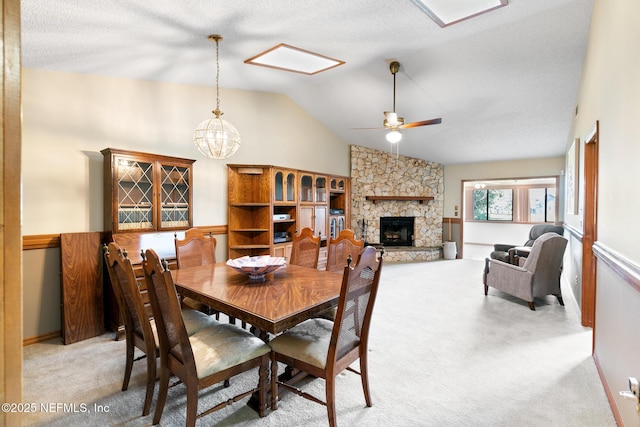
(286, 297)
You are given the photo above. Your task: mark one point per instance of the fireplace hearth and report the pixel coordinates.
(396, 230)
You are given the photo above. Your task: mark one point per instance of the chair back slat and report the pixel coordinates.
(125, 287)
(165, 303)
(357, 297)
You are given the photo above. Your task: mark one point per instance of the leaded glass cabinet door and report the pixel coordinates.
(134, 194)
(175, 189)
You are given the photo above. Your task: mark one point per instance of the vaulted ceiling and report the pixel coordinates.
(504, 83)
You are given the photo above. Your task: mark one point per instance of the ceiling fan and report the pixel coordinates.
(395, 123)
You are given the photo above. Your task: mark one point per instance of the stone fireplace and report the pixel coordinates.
(404, 184)
(396, 231)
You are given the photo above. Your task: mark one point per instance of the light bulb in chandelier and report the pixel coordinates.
(394, 136)
(216, 138)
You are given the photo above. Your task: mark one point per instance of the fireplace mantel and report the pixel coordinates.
(420, 199)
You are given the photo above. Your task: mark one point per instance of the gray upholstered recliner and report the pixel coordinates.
(505, 252)
(538, 276)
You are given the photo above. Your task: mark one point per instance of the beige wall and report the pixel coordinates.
(41, 290)
(69, 118)
(610, 94)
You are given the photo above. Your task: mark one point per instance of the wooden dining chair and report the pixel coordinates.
(305, 249)
(139, 326)
(340, 248)
(323, 348)
(212, 355)
(338, 252)
(196, 249)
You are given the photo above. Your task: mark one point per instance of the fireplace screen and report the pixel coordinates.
(396, 231)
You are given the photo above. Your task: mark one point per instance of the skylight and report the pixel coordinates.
(447, 12)
(289, 58)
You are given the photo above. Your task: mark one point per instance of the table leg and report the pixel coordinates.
(254, 401)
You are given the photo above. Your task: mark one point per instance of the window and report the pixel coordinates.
(520, 201)
(493, 205)
(542, 205)
(480, 203)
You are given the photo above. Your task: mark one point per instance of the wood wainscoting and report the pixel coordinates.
(53, 241)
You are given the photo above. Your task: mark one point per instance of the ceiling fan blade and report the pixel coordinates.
(393, 122)
(421, 123)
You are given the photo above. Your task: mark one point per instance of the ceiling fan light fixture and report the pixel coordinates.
(394, 136)
(392, 119)
(216, 138)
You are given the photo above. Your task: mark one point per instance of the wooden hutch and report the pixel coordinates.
(147, 199)
(268, 205)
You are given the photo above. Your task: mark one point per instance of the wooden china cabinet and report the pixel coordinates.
(313, 210)
(146, 192)
(313, 203)
(268, 205)
(147, 198)
(339, 205)
(284, 210)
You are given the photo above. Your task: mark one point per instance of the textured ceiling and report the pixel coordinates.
(504, 83)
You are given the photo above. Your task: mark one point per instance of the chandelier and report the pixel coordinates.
(216, 138)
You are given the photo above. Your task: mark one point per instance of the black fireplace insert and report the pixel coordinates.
(396, 230)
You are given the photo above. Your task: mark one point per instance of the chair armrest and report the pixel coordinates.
(501, 272)
(502, 247)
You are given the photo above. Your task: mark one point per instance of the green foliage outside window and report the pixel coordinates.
(500, 205)
(493, 205)
(480, 205)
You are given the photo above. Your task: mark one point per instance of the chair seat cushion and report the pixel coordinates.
(195, 320)
(222, 346)
(308, 342)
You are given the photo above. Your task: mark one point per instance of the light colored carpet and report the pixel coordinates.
(441, 354)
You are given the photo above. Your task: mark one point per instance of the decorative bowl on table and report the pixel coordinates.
(256, 267)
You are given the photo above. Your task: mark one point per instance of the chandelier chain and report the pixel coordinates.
(218, 75)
